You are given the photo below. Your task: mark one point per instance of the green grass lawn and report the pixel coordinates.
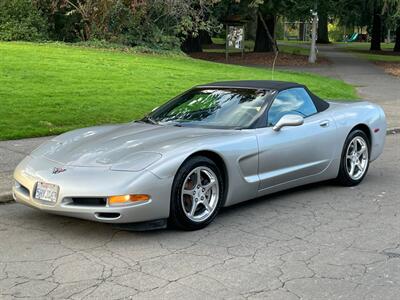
(362, 50)
(365, 45)
(47, 89)
(379, 57)
(293, 49)
(290, 47)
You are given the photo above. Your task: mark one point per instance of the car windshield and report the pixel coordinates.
(213, 107)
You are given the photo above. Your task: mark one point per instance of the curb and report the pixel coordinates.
(6, 197)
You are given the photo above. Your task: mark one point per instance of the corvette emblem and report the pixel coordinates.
(59, 170)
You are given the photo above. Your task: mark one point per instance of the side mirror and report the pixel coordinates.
(288, 120)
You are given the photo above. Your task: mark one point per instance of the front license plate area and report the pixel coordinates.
(46, 192)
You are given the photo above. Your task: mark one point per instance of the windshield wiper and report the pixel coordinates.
(148, 119)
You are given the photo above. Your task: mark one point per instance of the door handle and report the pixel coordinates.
(324, 123)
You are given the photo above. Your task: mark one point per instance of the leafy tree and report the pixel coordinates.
(324, 8)
(264, 12)
(265, 32)
(60, 25)
(149, 23)
(363, 13)
(392, 9)
(20, 20)
(193, 18)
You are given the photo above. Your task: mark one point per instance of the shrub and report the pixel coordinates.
(103, 44)
(20, 20)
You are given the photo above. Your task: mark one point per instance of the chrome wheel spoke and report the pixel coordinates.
(198, 176)
(362, 151)
(193, 208)
(207, 205)
(187, 192)
(352, 168)
(209, 185)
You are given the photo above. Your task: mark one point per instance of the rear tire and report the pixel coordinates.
(354, 162)
(197, 194)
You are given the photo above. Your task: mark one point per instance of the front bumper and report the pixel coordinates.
(93, 183)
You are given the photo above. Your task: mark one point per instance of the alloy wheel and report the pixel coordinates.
(200, 194)
(357, 158)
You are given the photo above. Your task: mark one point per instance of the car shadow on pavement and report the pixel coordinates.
(279, 196)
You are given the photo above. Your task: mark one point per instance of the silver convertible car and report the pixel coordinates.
(213, 146)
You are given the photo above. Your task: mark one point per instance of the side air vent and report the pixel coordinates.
(107, 216)
(22, 189)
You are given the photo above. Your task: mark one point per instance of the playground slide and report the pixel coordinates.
(352, 38)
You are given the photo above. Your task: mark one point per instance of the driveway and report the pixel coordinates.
(11, 153)
(372, 83)
(317, 242)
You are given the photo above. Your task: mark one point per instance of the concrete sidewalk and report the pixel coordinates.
(372, 83)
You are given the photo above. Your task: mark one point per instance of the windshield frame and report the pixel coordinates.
(171, 103)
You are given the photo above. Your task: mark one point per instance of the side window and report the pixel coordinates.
(292, 101)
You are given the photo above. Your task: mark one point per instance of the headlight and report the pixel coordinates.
(136, 161)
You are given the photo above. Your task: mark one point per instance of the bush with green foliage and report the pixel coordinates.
(103, 44)
(149, 24)
(137, 28)
(20, 20)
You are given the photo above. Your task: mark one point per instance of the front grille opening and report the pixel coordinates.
(88, 201)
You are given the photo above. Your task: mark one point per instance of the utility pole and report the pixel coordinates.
(313, 55)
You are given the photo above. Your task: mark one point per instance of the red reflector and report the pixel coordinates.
(376, 130)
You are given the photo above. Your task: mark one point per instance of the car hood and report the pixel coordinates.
(136, 144)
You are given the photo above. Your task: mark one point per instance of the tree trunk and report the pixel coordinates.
(301, 31)
(376, 32)
(313, 53)
(397, 44)
(191, 44)
(383, 31)
(323, 37)
(263, 43)
(86, 33)
(205, 37)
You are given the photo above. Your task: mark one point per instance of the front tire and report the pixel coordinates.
(355, 159)
(197, 194)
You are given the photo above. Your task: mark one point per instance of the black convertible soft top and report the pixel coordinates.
(320, 104)
(255, 84)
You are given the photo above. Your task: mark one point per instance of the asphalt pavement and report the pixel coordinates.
(316, 242)
(11, 153)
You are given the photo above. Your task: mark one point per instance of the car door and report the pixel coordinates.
(294, 152)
